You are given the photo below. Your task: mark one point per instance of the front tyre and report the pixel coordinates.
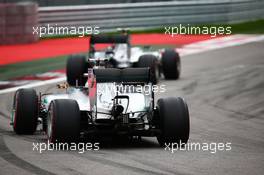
(171, 64)
(174, 121)
(25, 114)
(63, 121)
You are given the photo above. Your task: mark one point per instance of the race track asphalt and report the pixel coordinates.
(225, 92)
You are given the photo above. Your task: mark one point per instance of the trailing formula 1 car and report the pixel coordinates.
(112, 102)
(120, 54)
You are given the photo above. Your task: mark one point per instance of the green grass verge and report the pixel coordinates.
(33, 67)
(251, 27)
(254, 27)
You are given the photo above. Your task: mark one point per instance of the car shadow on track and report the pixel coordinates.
(123, 142)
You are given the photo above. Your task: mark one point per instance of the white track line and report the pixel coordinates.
(198, 47)
(218, 43)
(31, 85)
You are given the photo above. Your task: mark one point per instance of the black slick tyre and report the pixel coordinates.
(63, 121)
(171, 64)
(25, 114)
(151, 62)
(174, 121)
(75, 68)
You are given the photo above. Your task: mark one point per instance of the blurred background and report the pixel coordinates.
(82, 2)
(134, 14)
(19, 17)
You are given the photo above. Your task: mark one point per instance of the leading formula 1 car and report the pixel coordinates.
(112, 102)
(120, 54)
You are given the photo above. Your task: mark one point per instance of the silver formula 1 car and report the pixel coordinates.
(112, 102)
(120, 54)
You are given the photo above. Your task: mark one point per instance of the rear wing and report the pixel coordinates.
(111, 39)
(133, 76)
(127, 75)
(108, 39)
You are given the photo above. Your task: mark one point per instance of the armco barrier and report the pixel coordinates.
(152, 14)
(17, 21)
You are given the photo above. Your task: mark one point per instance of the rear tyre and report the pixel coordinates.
(25, 114)
(151, 62)
(174, 121)
(75, 68)
(63, 121)
(171, 64)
